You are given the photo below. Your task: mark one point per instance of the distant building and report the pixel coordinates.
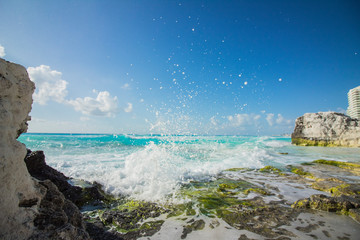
(354, 103)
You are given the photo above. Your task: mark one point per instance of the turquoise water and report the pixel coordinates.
(151, 167)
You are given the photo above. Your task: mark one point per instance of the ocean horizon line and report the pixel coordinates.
(157, 134)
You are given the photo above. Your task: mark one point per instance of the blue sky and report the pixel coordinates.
(201, 67)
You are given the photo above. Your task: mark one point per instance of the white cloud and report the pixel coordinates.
(2, 51)
(49, 85)
(281, 120)
(270, 118)
(243, 119)
(102, 105)
(129, 108)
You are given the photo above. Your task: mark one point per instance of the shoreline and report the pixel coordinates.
(248, 203)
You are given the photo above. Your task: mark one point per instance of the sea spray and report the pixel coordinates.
(153, 167)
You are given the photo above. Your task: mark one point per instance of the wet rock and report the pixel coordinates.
(37, 167)
(244, 237)
(355, 214)
(321, 202)
(337, 188)
(264, 220)
(195, 226)
(98, 231)
(58, 218)
(307, 229)
(129, 219)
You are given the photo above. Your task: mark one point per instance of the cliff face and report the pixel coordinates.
(326, 129)
(20, 194)
(29, 208)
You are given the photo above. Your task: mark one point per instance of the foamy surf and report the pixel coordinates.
(152, 168)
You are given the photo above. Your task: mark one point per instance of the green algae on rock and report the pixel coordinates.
(194, 226)
(342, 204)
(212, 197)
(315, 143)
(130, 218)
(337, 189)
(300, 171)
(241, 204)
(270, 169)
(355, 167)
(235, 169)
(256, 190)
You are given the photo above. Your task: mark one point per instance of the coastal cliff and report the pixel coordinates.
(29, 208)
(326, 129)
(20, 194)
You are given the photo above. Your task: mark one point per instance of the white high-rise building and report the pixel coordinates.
(354, 103)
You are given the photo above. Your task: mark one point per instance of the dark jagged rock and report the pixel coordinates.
(35, 162)
(98, 231)
(195, 226)
(37, 167)
(58, 217)
(244, 237)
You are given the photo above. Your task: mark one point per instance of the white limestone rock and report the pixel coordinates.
(19, 193)
(326, 129)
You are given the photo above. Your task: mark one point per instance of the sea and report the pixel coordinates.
(153, 167)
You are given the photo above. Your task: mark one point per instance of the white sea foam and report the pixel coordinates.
(153, 167)
(157, 170)
(277, 144)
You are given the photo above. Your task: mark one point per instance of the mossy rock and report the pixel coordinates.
(354, 167)
(195, 226)
(129, 217)
(176, 210)
(270, 169)
(317, 143)
(235, 169)
(355, 214)
(213, 197)
(337, 189)
(300, 171)
(263, 220)
(256, 190)
(342, 204)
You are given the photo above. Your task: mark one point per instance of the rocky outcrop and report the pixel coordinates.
(348, 205)
(326, 129)
(58, 217)
(29, 209)
(80, 196)
(20, 194)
